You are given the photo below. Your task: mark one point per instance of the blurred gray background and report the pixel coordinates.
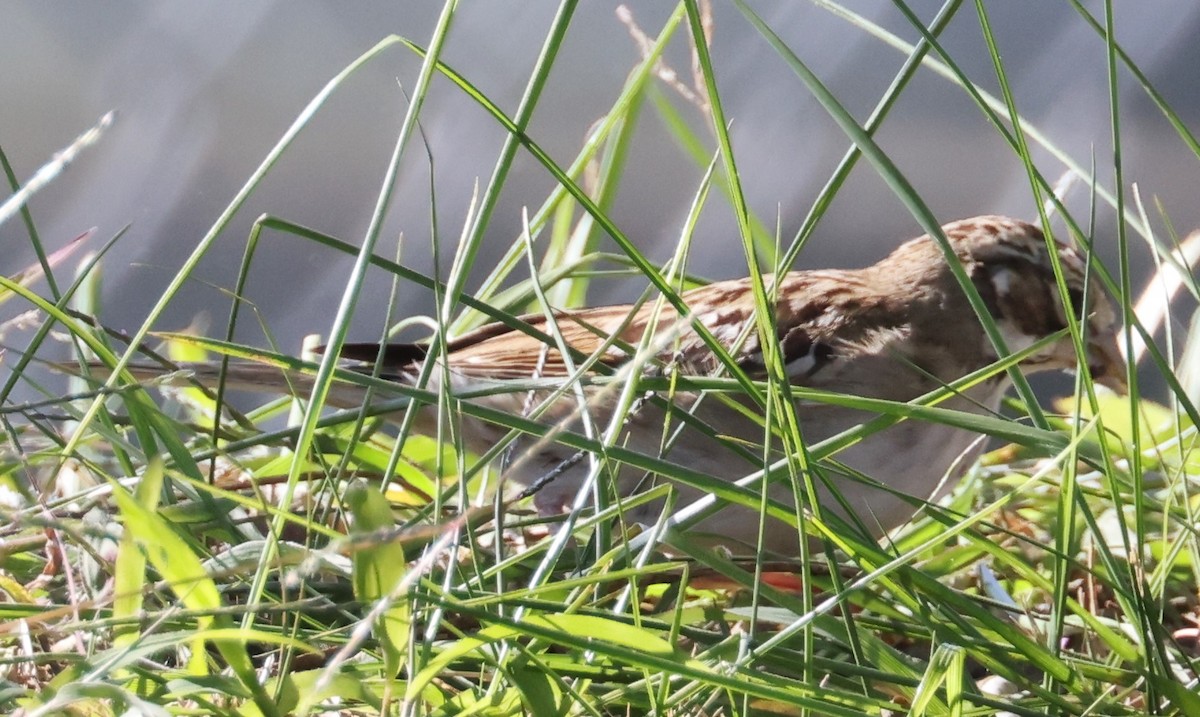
(204, 90)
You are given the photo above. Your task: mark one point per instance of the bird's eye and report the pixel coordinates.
(1076, 297)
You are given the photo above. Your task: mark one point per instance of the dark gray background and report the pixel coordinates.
(205, 89)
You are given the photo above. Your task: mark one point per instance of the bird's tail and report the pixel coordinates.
(237, 376)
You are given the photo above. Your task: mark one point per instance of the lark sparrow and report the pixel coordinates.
(896, 330)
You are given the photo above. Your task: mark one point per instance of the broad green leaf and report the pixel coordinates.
(379, 568)
(129, 579)
(173, 558)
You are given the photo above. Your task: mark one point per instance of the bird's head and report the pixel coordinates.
(1010, 265)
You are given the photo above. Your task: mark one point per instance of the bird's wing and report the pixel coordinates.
(806, 325)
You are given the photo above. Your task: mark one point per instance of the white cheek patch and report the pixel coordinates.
(1015, 340)
(1002, 281)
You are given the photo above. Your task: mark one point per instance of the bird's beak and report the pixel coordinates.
(1106, 364)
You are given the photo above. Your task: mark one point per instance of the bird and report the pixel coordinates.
(896, 330)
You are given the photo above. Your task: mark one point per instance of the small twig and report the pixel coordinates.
(696, 94)
(50, 170)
